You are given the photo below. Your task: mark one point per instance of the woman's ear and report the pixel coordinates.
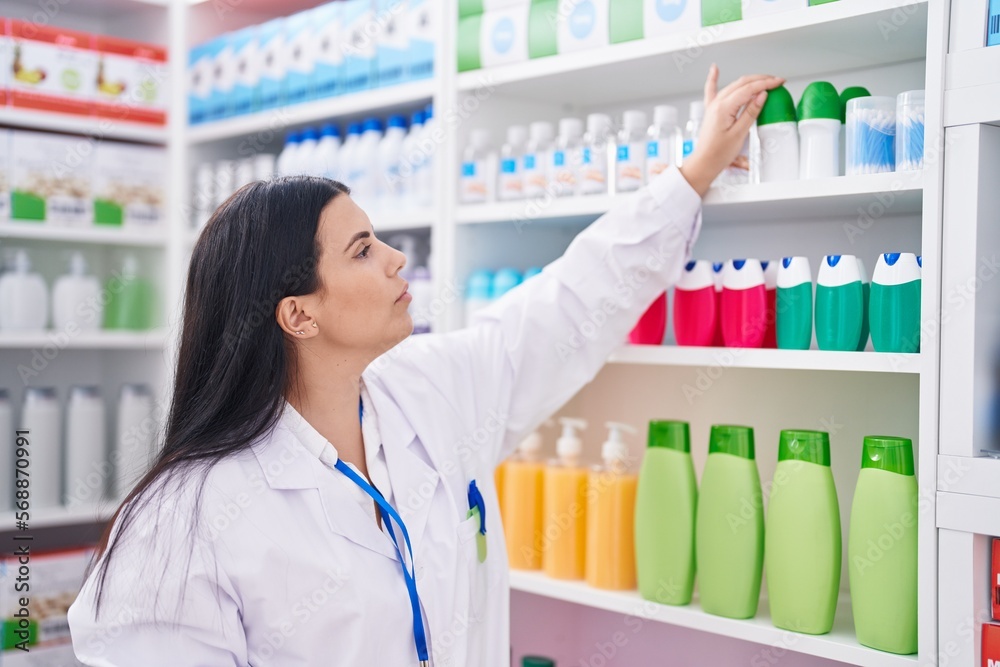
(294, 319)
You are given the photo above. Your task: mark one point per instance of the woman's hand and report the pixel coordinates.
(729, 115)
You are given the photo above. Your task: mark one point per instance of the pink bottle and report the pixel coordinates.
(744, 303)
(771, 286)
(717, 280)
(652, 325)
(696, 307)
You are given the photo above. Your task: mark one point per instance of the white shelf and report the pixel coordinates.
(832, 37)
(972, 87)
(60, 516)
(968, 514)
(768, 359)
(93, 234)
(897, 193)
(91, 340)
(839, 645)
(977, 476)
(379, 100)
(102, 128)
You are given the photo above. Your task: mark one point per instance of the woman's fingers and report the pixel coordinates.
(741, 83)
(711, 84)
(750, 112)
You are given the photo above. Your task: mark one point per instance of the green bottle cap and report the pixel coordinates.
(820, 100)
(849, 94)
(808, 446)
(536, 661)
(888, 453)
(778, 108)
(670, 435)
(735, 440)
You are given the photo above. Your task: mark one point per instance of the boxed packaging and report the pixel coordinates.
(503, 36)
(220, 101)
(131, 81)
(991, 645)
(422, 27)
(995, 579)
(359, 45)
(473, 7)
(581, 25)
(755, 8)
(328, 73)
(52, 69)
(714, 12)
(467, 43)
(300, 40)
(50, 178)
(541, 29)
(670, 17)
(246, 51)
(128, 185)
(200, 80)
(4, 174)
(6, 59)
(393, 43)
(273, 64)
(993, 24)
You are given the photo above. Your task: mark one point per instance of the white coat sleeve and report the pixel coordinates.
(167, 601)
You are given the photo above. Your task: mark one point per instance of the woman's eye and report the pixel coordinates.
(364, 251)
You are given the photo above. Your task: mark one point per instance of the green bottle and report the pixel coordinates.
(895, 304)
(131, 299)
(803, 535)
(537, 661)
(882, 547)
(729, 530)
(795, 304)
(664, 515)
(866, 295)
(839, 303)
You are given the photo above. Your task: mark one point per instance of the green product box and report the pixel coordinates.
(542, 28)
(714, 12)
(626, 20)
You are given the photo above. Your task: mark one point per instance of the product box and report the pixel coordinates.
(995, 579)
(422, 18)
(359, 45)
(51, 178)
(131, 81)
(393, 43)
(503, 37)
(542, 28)
(993, 24)
(473, 7)
(128, 186)
(670, 17)
(581, 24)
(220, 100)
(300, 40)
(246, 51)
(56, 580)
(201, 60)
(328, 73)
(470, 30)
(754, 8)
(714, 12)
(4, 174)
(991, 645)
(52, 69)
(6, 59)
(273, 64)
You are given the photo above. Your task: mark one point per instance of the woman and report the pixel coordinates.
(311, 507)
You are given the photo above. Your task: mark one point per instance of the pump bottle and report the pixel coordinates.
(611, 516)
(523, 480)
(565, 522)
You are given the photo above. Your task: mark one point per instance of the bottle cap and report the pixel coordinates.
(397, 120)
(597, 123)
(22, 262)
(537, 661)
(664, 114)
(849, 94)
(354, 128)
(504, 280)
(896, 268)
(569, 444)
(634, 121)
(697, 275)
(309, 134)
(36, 394)
(733, 440)
(84, 392)
(615, 450)
(770, 267)
(837, 270)
(820, 100)
(417, 118)
(779, 107)
(794, 271)
(530, 445)
(717, 274)
(517, 135)
(372, 125)
(330, 130)
(479, 138)
(808, 446)
(668, 434)
(570, 128)
(742, 274)
(888, 453)
(77, 264)
(541, 130)
(479, 285)
(696, 110)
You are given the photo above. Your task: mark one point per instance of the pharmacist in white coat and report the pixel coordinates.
(324, 494)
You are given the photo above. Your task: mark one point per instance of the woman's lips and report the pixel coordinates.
(405, 294)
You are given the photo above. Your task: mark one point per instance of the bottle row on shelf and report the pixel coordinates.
(72, 461)
(334, 49)
(655, 530)
(46, 68)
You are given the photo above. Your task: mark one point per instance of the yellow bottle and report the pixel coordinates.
(611, 516)
(522, 510)
(565, 517)
(498, 477)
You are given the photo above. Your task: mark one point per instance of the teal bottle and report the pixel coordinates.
(866, 291)
(839, 303)
(795, 304)
(895, 304)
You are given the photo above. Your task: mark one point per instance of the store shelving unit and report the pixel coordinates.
(800, 360)
(90, 340)
(90, 235)
(93, 127)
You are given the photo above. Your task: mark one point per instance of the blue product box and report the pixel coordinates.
(422, 29)
(328, 73)
(359, 48)
(246, 49)
(393, 44)
(201, 59)
(300, 36)
(274, 64)
(224, 70)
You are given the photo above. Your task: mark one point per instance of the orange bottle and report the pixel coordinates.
(611, 516)
(498, 477)
(565, 517)
(522, 509)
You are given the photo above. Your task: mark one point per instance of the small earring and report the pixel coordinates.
(300, 332)
(315, 326)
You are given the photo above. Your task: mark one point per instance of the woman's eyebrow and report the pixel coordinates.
(357, 237)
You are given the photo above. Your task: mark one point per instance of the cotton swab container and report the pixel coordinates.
(871, 135)
(910, 130)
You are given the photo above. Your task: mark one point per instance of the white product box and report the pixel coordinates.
(4, 174)
(51, 178)
(393, 44)
(328, 74)
(755, 8)
(131, 81)
(200, 81)
(360, 32)
(220, 103)
(504, 36)
(273, 64)
(300, 40)
(129, 186)
(422, 27)
(53, 69)
(246, 50)
(581, 24)
(669, 17)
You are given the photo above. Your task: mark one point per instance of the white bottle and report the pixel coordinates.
(696, 115)
(427, 141)
(630, 160)
(287, 160)
(40, 417)
(566, 157)
(327, 152)
(348, 155)
(410, 161)
(7, 452)
(594, 157)
(389, 150)
(304, 157)
(510, 184)
(204, 193)
(536, 159)
(76, 298)
(474, 183)
(133, 437)
(366, 188)
(24, 299)
(85, 447)
(664, 142)
(422, 290)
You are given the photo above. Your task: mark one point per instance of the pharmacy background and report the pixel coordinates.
(793, 456)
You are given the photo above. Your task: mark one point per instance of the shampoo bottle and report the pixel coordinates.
(802, 540)
(24, 299)
(611, 516)
(652, 325)
(729, 529)
(770, 302)
(866, 292)
(895, 303)
(523, 484)
(41, 417)
(794, 304)
(744, 303)
(695, 312)
(131, 303)
(839, 303)
(565, 521)
(666, 500)
(85, 444)
(76, 298)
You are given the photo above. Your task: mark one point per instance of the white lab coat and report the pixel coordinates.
(287, 567)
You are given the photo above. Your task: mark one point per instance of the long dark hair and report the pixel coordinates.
(234, 366)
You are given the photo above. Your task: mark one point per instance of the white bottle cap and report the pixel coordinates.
(697, 274)
(697, 110)
(570, 128)
(598, 122)
(794, 271)
(864, 272)
(742, 274)
(896, 268)
(837, 270)
(717, 268)
(77, 264)
(479, 138)
(22, 263)
(541, 130)
(664, 114)
(614, 449)
(770, 267)
(517, 135)
(569, 445)
(633, 120)
(529, 446)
